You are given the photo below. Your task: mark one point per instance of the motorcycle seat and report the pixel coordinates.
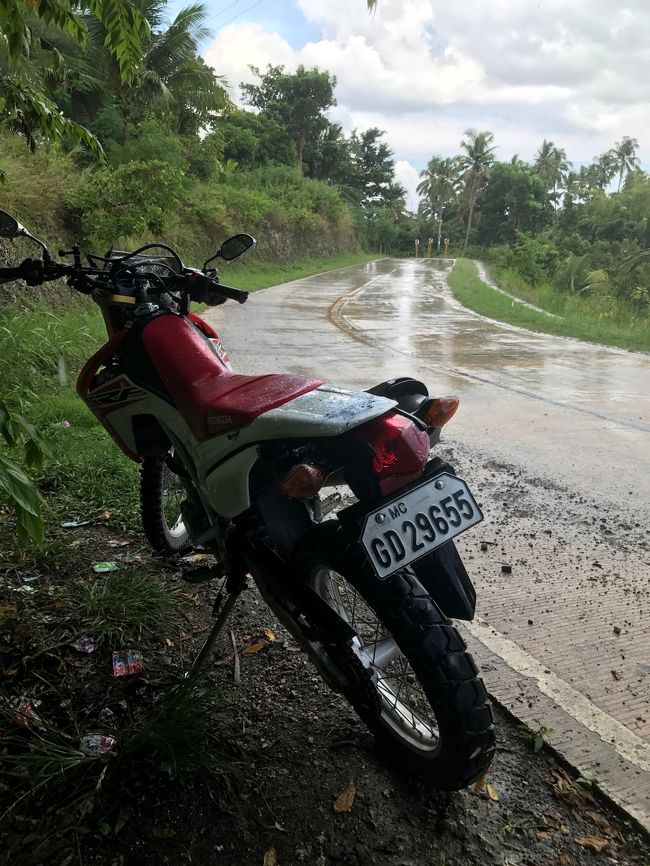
(210, 397)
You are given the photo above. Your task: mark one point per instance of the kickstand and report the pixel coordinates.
(210, 641)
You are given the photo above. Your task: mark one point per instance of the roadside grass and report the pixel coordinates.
(595, 319)
(252, 275)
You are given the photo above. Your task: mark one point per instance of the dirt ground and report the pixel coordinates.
(293, 749)
(301, 747)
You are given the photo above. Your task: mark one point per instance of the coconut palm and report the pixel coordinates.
(604, 169)
(624, 154)
(475, 165)
(439, 181)
(552, 166)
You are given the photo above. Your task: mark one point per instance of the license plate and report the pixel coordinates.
(416, 523)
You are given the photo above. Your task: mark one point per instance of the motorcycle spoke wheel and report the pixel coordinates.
(405, 708)
(161, 495)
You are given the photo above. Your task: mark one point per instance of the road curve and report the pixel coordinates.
(554, 435)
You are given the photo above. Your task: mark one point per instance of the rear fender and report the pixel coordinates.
(445, 578)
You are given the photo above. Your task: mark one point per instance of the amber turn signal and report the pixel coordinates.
(440, 410)
(302, 481)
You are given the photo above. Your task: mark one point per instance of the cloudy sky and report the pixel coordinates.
(574, 71)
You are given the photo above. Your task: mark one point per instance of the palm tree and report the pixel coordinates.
(624, 153)
(475, 164)
(552, 166)
(439, 180)
(604, 169)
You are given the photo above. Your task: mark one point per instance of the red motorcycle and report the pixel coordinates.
(259, 462)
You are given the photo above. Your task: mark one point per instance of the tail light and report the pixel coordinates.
(439, 410)
(302, 481)
(399, 451)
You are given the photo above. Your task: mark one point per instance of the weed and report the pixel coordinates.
(120, 605)
(538, 736)
(512, 827)
(185, 734)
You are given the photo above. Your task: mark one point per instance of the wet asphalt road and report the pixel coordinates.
(552, 434)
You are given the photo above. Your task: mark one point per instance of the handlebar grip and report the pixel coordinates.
(30, 270)
(7, 274)
(207, 290)
(233, 294)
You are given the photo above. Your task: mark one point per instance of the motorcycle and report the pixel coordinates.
(259, 463)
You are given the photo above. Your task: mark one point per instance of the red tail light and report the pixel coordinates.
(400, 451)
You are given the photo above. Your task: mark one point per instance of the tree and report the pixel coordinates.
(252, 140)
(624, 156)
(439, 181)
(371, 169)
(604, 169)
(298, 101)
(24, 103)
(515, 200)
(475, 164)
(552, 166)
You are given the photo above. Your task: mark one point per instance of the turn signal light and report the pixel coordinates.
(440, 410)
(302, 481)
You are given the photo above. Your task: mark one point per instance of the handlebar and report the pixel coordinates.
(200, 288)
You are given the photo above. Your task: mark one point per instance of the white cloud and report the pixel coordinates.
(426, 70)
(409, 178)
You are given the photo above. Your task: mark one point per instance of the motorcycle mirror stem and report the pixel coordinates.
(11, 228)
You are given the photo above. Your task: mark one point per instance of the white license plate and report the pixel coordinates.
(416, 523)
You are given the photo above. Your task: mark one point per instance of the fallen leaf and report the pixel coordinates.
(345, 799)
(254, 648)
(270, 634)
(169, 642)
(592, 843)
(479, 784)
(492, 792)
(412, 819)
(544, 834)
(565, 860)
(270, 858)
(280, 827)
(617, 675)
(105, 515)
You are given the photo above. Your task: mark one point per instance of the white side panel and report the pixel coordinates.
(227, 486)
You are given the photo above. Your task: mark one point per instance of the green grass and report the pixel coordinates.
(252, 275)
(596, 319)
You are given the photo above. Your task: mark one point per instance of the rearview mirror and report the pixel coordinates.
(232, 249)
(236, 246)
(9, 227)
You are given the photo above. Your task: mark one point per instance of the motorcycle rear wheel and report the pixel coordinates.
(161, 494)
(411, 678)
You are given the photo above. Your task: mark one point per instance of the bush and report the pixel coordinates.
(535, 259)
(120, 203)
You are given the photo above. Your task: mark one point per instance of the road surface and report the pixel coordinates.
(554, 437)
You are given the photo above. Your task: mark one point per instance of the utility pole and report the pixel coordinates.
(439, 215)
(417, 247)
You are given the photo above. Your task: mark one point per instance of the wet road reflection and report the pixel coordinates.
(413, 311)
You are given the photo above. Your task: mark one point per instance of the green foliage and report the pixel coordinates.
(297, 101)
(535, 259)
(514, 201)
(121, 605)
(16, 488)
(116, 204)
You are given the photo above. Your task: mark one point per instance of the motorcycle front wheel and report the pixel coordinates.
(411, 679)
(161, 494)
